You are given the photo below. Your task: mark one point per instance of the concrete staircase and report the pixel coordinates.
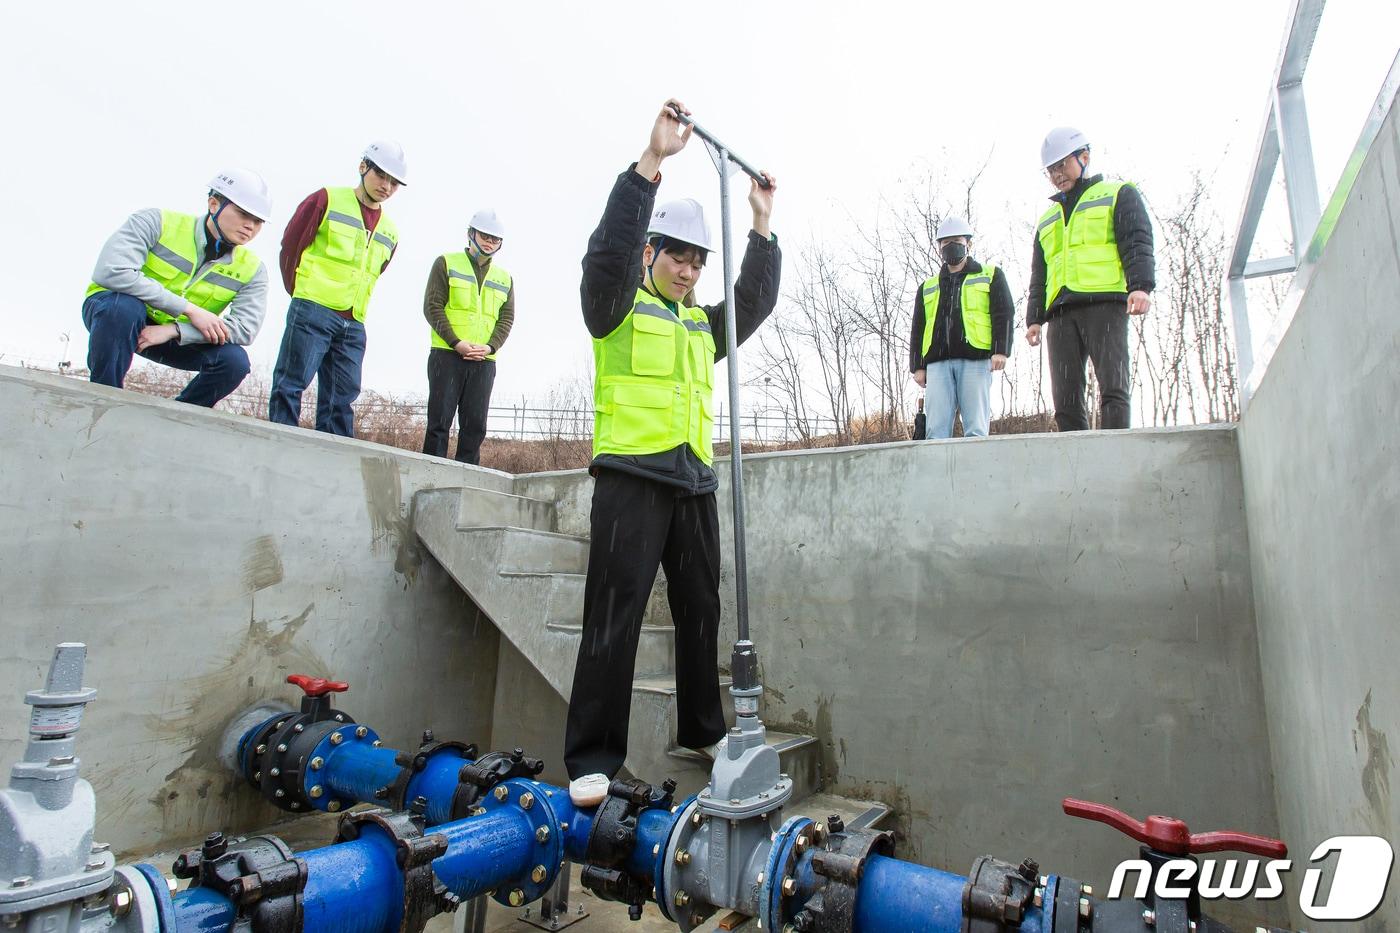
(503, 551)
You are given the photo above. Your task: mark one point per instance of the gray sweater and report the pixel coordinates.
(119, 269)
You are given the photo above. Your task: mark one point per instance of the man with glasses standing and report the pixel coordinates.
(1091, 267)
(334, 249)
(470, 306)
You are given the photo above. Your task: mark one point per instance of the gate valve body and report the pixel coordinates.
(1172, 836)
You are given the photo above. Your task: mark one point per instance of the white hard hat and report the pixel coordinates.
(485, 221)
(682, 220)
(1060, 142)
(245, 188)
(388, 155)
(951, 227)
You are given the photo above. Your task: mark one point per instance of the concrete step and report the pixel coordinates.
(653, 749)
(530, 551)
(480, 508)
(566, 601)
(656, 649)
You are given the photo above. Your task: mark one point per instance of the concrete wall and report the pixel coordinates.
(202, 558)
(1320, 452)
(976, 629)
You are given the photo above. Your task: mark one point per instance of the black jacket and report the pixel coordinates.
(612, 273)
(949, 341)
(1132, 229)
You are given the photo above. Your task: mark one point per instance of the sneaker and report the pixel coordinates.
(589, 790)
(713, 752)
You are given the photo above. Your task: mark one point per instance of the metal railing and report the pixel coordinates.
(1285, 138)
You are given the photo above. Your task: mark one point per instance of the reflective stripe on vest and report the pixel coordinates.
(472, 308)
(975, 297)
(654, 382)
(340, 267)
(174, 262)
(1083, 254)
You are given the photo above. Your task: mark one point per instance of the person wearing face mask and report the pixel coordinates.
(1091, 268)
(334, 249)
(654, 487)
(182, 291)
(470, 307)
(961, 335)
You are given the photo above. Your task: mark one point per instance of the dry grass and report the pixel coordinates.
(398, 421)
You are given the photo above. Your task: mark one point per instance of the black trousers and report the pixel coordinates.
(1097, 332)
(462, 388)
(638, 524)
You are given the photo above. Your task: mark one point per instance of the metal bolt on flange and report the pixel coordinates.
(696, 819)
(542, 835)
(317, 791)
(760, 877)
(377, 744)
(333, 806)
(299, 727)
(361, 732)
(501, 793)
(1085, 908)
(21, 881)
(517, 897)
(317, 762)
(260, 749)
(1040, 897)
(121, 904)
(1088, 890)
(257, 775)
(802, 843)
(279, 793)
(682, 898)
(337, 738)
(789, 886)
(275, 772)
(339, 717)
(527, 800)
(282, 747)
(682, 857)
(538, 875)
(1149, 917)
(656, 850)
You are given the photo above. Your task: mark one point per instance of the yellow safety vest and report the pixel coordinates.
(654, 382)
(174, 262)
(1082, 255)
(976, 301)
(338, 270)
(472, 308)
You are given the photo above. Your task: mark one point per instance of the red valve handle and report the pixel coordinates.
(1172, 836)
(317, 686)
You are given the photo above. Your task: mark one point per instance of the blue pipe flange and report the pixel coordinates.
(782, 861)
(687, 819)
(160, 890)
(311, 785)
(534, 800)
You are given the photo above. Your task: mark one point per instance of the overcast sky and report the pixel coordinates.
(533, 108)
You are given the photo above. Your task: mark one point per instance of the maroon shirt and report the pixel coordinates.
(301, 231)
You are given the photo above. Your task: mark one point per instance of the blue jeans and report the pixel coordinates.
(320, 343)
(951, 386)
(114, 321)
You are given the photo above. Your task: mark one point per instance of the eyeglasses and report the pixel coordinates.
(1063, 164)
(487, 238)
(385, 175)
